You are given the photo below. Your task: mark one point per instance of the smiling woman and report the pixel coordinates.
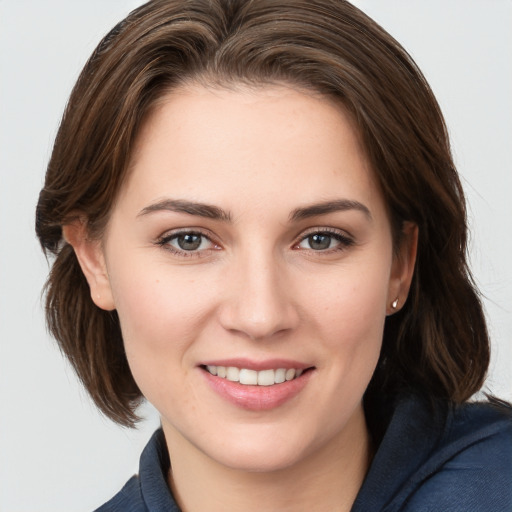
(259, 229)
(236, 329)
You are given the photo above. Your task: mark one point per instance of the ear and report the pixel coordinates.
(402, 268)
(91, 258)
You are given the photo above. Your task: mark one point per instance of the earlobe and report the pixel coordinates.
(403, 268)
(91, 258)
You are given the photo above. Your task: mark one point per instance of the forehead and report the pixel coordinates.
(249, 145)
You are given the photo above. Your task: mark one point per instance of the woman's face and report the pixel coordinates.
(250, 242)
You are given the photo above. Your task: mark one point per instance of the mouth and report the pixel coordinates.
(257, 385)
(248, 377)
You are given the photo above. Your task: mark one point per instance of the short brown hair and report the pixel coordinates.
(438, 343)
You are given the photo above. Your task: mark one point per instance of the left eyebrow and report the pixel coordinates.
(338, 205)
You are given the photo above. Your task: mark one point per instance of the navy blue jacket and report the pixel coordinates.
(429, 460)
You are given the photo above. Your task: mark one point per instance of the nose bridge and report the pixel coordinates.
(259, 302)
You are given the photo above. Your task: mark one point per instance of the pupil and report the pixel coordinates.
(319, 242)
(189, 242)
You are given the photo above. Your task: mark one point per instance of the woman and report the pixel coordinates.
(259, 228)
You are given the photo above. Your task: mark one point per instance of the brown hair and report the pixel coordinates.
(438, 343)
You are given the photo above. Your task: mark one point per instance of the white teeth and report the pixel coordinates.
(252, 377)
(290, 374)
(248, 377)
(266, 378)
(233, 374)
(280, 376)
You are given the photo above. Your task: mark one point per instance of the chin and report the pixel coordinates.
(265, 452)
(259, 460)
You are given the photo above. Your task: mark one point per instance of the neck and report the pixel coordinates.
(327, 480)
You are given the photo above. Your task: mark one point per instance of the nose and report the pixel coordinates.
(259, 301)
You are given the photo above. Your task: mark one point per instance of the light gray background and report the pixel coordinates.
(56, 452)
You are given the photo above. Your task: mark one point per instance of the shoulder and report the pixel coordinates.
(148, 491)
(128, 499)
(470, 468)
(439, 457)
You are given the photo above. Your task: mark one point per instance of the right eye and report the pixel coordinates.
(187, 243)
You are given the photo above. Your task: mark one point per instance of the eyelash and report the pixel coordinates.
(344, 240)
(164, 242)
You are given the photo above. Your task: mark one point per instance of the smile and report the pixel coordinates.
(252, 377)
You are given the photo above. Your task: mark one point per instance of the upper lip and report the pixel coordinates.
(251, 364)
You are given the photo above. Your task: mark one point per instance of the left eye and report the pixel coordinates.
(189, 242)
(322, 241)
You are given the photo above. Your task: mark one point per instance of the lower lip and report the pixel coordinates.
(257, 398)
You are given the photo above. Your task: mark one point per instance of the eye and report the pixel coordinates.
(325, 241)
(189, 242)
(185, 242)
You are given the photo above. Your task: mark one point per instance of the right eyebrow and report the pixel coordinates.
(189, 207)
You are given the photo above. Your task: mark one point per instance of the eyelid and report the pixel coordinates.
(324, 229)
(164, 239)
(345, 238)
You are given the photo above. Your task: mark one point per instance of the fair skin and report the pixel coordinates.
(293, 269)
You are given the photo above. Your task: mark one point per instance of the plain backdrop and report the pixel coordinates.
(56, 452)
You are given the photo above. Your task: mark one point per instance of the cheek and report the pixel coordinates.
(160, 319)
(353, 304)
(160, 315)
(350, 315)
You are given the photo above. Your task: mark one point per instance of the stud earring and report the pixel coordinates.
(394, 304)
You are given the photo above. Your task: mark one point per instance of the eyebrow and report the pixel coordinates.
(214, 212)
(329, 207)
(190, 207)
